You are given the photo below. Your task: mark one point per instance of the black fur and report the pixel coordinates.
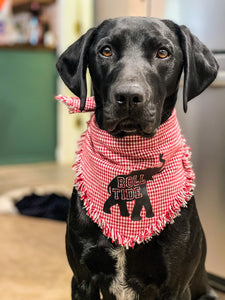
(136, 91)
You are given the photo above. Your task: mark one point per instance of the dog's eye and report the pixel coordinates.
(106, 51)
(162, 53)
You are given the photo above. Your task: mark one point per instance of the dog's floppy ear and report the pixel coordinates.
(72, 66)
(200, 66)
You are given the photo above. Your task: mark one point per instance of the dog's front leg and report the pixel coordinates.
(84, 291)
(83, 287)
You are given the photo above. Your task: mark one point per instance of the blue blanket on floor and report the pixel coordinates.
(50, 206)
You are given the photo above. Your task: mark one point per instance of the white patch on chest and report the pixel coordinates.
(119, 286)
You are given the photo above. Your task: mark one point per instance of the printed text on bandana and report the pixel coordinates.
(132, 187)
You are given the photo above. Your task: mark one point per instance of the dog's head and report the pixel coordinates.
(135, 66)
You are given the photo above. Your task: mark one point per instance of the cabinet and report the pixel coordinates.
(22, 5)
(28, 110)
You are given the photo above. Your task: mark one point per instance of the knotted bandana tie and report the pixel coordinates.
(132, 186)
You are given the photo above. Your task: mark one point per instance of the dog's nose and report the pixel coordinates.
(129, 95)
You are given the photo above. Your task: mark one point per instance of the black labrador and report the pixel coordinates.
(136, 65)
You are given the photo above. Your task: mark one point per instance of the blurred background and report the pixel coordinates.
(38, 137)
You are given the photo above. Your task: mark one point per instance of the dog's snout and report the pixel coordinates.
(129, 98)
(129, 95)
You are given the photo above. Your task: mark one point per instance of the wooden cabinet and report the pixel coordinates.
(20, 2)
(28, 109)
(21, 5)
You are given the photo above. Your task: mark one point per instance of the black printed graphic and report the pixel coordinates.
(132, 187)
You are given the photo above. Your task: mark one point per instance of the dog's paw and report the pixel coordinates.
(211, 295)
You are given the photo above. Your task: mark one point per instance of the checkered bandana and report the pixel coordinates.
(132, 186)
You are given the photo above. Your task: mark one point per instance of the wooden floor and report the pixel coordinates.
(33, 262)
(33, 175)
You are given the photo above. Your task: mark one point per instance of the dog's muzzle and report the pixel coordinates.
(129, 111)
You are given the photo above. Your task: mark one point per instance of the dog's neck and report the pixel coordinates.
(168, 106)
(125, 183)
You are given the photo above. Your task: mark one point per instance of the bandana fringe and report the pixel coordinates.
(174, 210)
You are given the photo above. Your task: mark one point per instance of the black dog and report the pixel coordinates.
(135, 66)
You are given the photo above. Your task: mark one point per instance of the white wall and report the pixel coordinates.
(74, 18)
(110, 9)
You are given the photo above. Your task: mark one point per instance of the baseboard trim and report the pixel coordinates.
(217, 282)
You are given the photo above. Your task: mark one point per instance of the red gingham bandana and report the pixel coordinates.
(132, 186)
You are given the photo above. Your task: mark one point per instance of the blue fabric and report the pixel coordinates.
(50, 206)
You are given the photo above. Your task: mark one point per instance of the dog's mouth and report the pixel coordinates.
(129, 127)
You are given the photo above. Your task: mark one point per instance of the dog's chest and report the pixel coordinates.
(119, 287)
(142, 267)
